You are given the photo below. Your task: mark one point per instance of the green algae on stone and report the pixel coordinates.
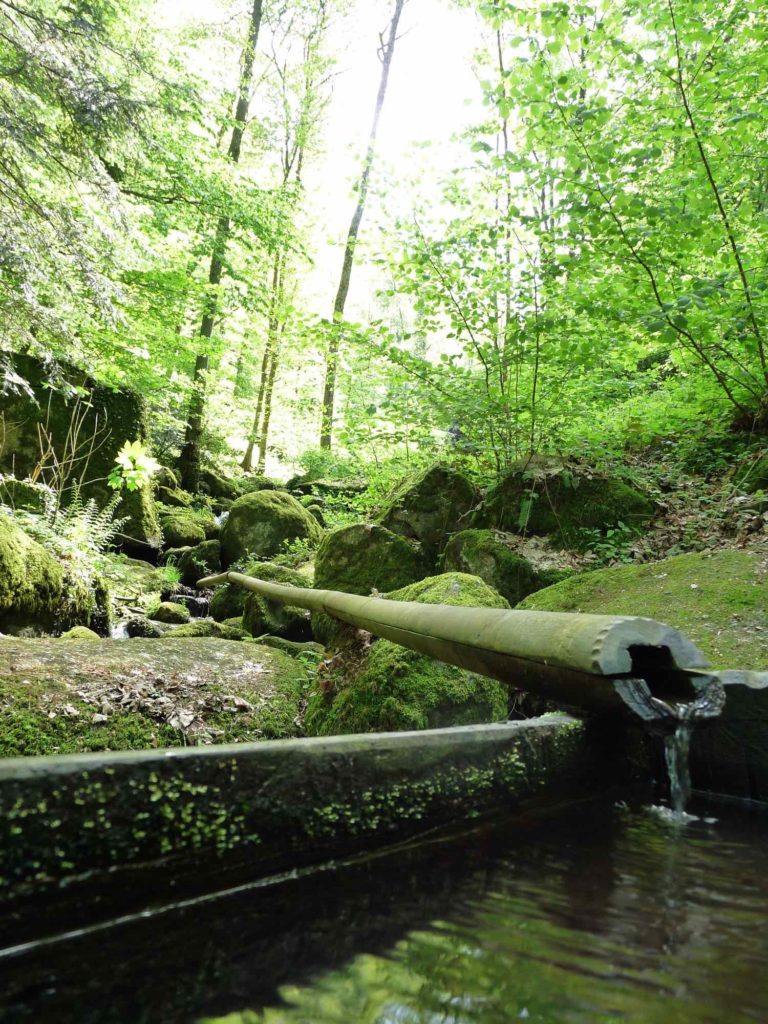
(135, 694)
(260, 524)
(483, 553)
(561, 504)
(429, 507)
(719, 599)
(380, 686)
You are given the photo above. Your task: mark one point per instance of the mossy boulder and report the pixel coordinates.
(485, 553)
(31, 580)
(39, 592)
(207, 628)
(317, 512)
(174, 496)
(166, 477)
(217, 485)
(717, 598)
(169, 611)
(22, 494)
(262, 523)
(195, 563)
(308, 651)
(262, 616)
(187, 527)
(228, 601)
(562, 503)
(139, 626)
(62, 398)
(62, 698)
(430, 507)
(380, 686)
(361, 558)
(256, 482)
(79, 633)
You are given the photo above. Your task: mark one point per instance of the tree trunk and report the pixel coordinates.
(386, 52)
(190, 453)
(272, 324)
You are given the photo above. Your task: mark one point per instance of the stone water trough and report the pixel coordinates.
(88, 837)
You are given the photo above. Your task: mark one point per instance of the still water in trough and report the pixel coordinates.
(600, 914)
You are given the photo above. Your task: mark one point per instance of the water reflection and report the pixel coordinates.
(650, 924)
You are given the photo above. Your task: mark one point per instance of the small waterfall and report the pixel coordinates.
(119, 631)
(677, 746)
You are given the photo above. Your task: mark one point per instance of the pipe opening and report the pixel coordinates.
(664, 678)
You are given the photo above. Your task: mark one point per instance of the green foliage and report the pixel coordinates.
(80, 532)
(134, 467)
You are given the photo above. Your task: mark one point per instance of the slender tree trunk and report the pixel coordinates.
(270, 386)
(272, 326)
(386, 52)
(190, 452)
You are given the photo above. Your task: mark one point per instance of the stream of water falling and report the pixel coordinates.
(677, 746)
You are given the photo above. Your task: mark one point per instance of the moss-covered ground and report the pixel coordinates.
(719, 599)
(60, 697)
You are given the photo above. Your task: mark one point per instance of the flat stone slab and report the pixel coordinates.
(115, 833)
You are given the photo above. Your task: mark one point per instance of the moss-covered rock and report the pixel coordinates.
(60, 698)
(169, 611)
(561, 503)
(719, 599)
(361, 558)
(228, 601)
(262, 616)
(309, 651)
(132, 578)
(484, 553)
(195, 563)
(63, 397)
(317, 512)
(139, 626)
(187, 527)
(167, 477)
(39, 592)
(31, 580)
(381, 686)
(430, 507)
(234, 621)
(175, 497)
(217, 485)
(79, 633)
(262, 523)
(207, 628)
(22, 494)
(256, 482)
